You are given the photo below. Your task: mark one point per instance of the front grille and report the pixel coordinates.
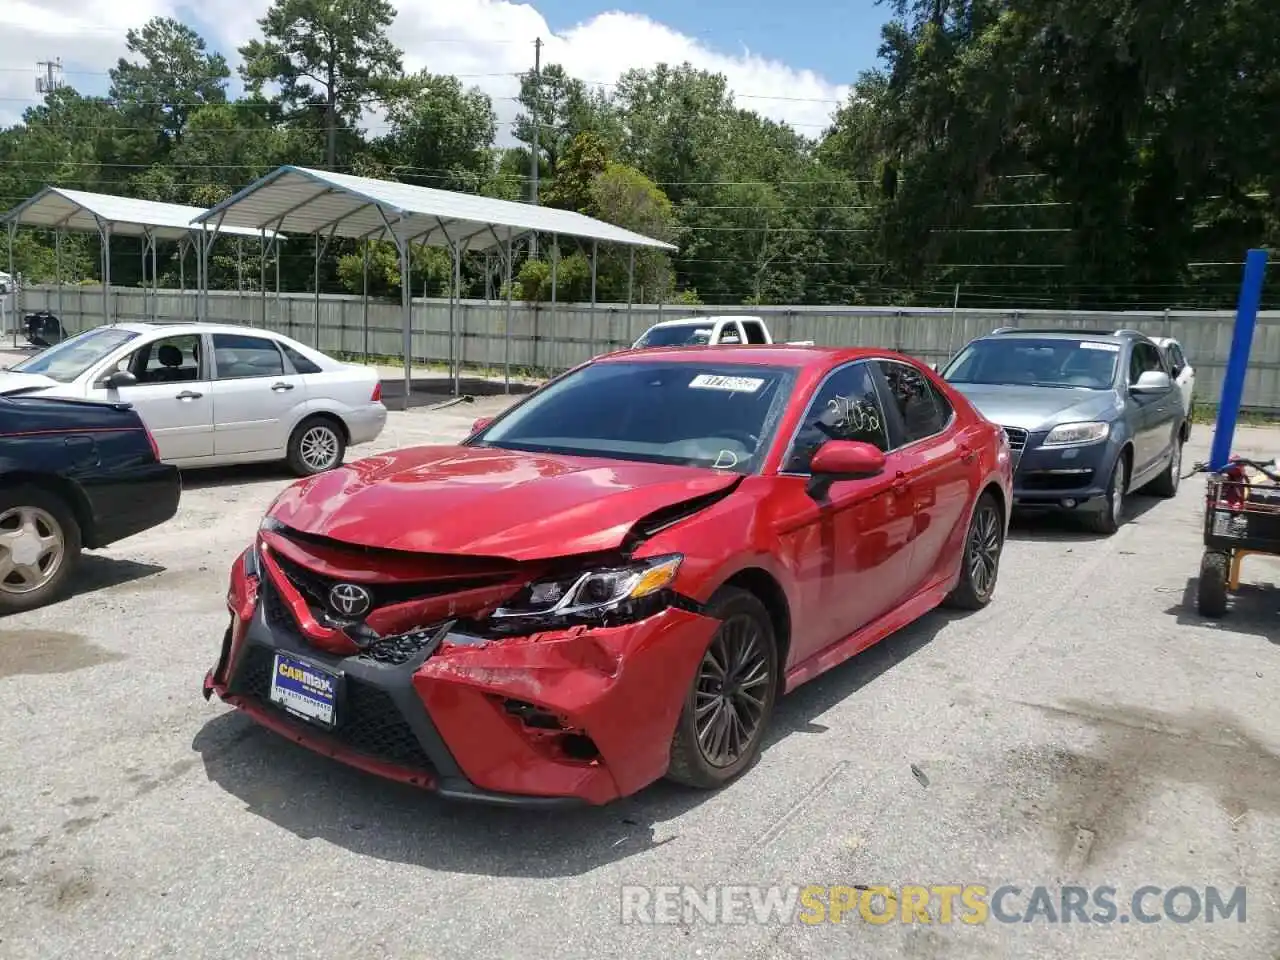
(315, 587)
(368, 721)
(1017, 438)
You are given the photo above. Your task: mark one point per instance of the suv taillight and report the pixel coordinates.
(377, 393)
(155, 450)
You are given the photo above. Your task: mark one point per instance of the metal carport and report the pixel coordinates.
(327, 205)
(59, 209)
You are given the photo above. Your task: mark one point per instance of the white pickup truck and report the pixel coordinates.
(708, 331)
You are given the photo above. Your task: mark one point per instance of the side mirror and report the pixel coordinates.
(480, 424)
(117, 379)
(843, 460)
(1152, 381)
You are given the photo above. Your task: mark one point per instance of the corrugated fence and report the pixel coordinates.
(544, 339)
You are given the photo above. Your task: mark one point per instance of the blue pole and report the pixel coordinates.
(1255, 267)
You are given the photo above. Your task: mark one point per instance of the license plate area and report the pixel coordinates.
(306, 691)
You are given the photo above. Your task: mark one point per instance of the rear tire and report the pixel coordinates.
(40, 544)
(1211, 593)
(980, 563)
(1166, 485)
(316, 446)
(732, 692)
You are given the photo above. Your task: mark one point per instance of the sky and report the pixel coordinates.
(791, 61)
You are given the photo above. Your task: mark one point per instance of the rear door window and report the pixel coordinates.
(754, 330)
(913, 402)
(239, 357)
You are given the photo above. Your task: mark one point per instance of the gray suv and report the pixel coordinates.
(1090, 416)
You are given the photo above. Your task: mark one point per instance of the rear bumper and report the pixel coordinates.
(146, 499)
(557, 718)
(366, 423)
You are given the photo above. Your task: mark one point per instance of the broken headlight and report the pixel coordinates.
(611, 594)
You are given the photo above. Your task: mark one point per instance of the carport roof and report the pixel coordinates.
(58, 207)
(300, 200)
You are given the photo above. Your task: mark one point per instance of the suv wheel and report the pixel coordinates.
(1166, 485)
(1109, 519)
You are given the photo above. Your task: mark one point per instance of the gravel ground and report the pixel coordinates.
(1087, 728)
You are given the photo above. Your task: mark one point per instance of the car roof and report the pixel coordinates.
(177, 328)
(1091, 336)
(764, 354)
(703, 321)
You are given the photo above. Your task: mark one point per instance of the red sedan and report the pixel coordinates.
(615, 579)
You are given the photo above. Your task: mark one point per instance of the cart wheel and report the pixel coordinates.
(1211, 598)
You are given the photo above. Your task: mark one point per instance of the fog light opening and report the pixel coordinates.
(1069, 502)
(578, 746)
(532, 716)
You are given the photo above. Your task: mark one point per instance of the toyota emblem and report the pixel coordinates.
(350, 600)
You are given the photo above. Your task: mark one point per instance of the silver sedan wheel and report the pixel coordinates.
(319, 448)
(33, 547)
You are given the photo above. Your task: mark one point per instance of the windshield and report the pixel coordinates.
(67, 360)
(681, 335)
(1047, 362)
(705, 415)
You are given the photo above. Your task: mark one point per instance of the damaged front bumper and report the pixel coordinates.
(584, 715)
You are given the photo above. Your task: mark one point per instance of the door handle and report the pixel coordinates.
(189, 395)
(901, 483)
(277, 387)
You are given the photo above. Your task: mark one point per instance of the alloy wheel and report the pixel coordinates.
(984, 550)
(32, 548)
(319, 448)
(731, 691)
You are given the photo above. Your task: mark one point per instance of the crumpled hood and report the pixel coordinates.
(1038, 408)
(10, 381)
(487, 502)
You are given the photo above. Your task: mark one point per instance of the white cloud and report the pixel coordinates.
(485, 42)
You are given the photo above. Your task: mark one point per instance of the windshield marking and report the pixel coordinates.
(733, 460)
(1091, 345)
(707, 381)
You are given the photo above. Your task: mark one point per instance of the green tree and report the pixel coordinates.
(559, 107)
(172, 74)
(441, 134)
(580, 165)
(327, 56)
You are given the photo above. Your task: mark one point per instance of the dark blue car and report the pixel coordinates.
(74, 474)
(1090, 417)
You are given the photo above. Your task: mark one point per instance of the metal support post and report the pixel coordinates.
(1255, 268)
(364, 305)
(631, 283)
(457, 303)
(592, 321)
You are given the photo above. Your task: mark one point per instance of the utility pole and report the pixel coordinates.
(537, 127)
(52, 76)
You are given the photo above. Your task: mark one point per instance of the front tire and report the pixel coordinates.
(730, 700)
(40, 544)
(980, 564)
(316, 446)
(1109, 519)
